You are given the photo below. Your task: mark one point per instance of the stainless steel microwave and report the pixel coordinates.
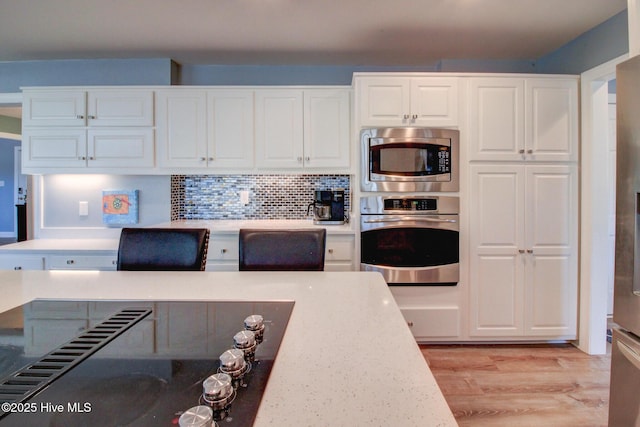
(409, 159)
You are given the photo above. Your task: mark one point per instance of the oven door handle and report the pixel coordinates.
(407, 218)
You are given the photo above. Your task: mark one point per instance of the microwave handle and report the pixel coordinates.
(408, 218)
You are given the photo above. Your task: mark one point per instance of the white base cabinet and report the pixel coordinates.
(524, 249)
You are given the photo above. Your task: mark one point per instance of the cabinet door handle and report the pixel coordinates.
(521, 251)
(70, 262)
(17, 267)
(330, 250)
(529, 251)
(414, 117)
(410, 324)
(306, 159)
(406, 116)
(529, 151)
(82, 158)
(92, 158)
(211, 159)
(91, 117)
(299, 159)
(223, 251)
(521, 151)
(79, 116)
(203, 159)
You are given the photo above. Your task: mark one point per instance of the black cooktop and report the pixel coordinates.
(147, 373)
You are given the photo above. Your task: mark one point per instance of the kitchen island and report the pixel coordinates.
(347, 357)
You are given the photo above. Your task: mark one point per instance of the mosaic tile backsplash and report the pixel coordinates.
(211, 197)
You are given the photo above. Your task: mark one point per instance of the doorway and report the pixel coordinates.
(597, 206)
(12, 183)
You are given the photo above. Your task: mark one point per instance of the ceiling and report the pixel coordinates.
(290, 32)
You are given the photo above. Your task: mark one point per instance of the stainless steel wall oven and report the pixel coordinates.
(411, 240)
(409, 159)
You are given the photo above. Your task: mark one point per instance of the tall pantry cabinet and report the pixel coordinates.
(523, 151)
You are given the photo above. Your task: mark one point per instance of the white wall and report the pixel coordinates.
(56, 214)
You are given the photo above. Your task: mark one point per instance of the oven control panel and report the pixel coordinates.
(408, 204)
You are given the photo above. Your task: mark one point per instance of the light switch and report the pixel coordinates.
(83, 208)
(1, 183)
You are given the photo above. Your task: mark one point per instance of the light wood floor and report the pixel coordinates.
(522, 385)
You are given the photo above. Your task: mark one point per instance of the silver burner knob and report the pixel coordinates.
(217, 387)
(246, 341)
(232, 360)
(198, 416)
(255, 323)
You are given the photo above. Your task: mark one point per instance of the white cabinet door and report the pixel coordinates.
(552, 119)
(120, 148)
(54, 148)
(551, 241)
(405, 101)
(434, 101)
(129, 107)
(279, 129)
(497, 237)
(181, 120)
(515, 119)
(524, 251)
(384, 101)
(326, 128)
(53, 108)
(230, 128)
(497, 119)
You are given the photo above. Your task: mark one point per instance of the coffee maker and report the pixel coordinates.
(328, 207)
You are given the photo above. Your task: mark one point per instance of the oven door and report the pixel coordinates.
(411, 250)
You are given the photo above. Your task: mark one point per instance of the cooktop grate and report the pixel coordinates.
(26, 382)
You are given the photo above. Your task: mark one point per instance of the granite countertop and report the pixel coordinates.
(347, 357)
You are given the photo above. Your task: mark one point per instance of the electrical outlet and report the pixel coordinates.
(244, 197)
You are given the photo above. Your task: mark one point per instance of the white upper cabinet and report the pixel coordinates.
(100, 107)
(230, 128)
(515, 119)
(181, 121)
(408, 101)
(279, 128)
(71, 130)
(326, 128)
(205, 128)
(302, 128)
